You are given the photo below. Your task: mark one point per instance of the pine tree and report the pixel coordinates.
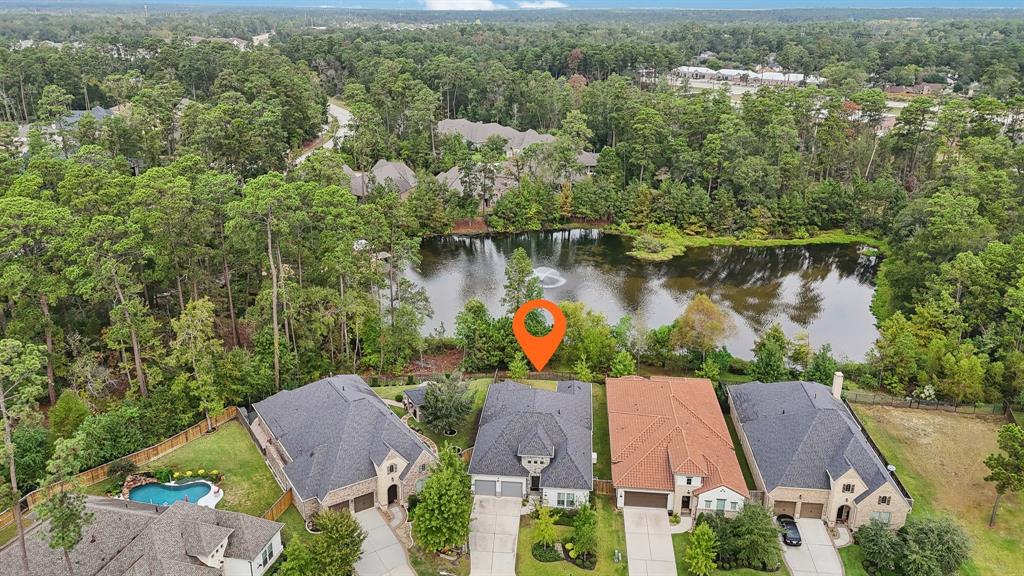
(441, 519)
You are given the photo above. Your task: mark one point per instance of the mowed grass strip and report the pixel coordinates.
(939, 456)
(611, 536)
(248, 485)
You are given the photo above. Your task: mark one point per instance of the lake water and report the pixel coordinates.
(824, 290)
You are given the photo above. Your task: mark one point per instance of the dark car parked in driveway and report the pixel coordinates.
(790, 532)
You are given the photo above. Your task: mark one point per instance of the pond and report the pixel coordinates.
(823, 289)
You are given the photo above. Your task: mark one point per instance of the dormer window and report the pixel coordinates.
(848, 488)
(689, 481)
(392, 468)
(885, 500)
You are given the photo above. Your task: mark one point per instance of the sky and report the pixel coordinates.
(589, 4)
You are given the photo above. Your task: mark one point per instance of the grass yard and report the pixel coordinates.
(853, 560)
(748, 476)
(939, 457)
(602, 443)
(8, 533)
(248, 484)
(611, 536)
(681, 541)
(294, 526)
(432, 564)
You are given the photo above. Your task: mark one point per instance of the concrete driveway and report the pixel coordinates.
(493, 535)
(383, 554)
(649, 550)
(817, 556)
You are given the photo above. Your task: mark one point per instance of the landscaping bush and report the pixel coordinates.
(398, 397)
(542, 553)
(566, 516)
(120, 469)
(164, 475)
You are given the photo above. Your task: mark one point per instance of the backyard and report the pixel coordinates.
(611, 536)
(939, 458)
(681, 541)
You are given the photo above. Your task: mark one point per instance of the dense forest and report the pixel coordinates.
(173, 254)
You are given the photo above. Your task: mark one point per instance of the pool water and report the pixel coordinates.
(166, 494)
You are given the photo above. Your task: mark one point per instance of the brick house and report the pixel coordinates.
(671, 447)
(340, 447)
(811, 458)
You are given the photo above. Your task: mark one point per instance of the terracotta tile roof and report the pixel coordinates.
(664, 426)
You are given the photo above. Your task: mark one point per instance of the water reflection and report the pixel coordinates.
(825, 289)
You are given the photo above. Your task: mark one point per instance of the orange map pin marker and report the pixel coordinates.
(539, 349)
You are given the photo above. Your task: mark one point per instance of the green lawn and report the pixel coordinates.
(294, 526)
(248, 484)
(680, 541)
(853, 560)
(611, 534)
(939, 458)
(602, 443)
(7, 533)
(432, 564)
(748, 476)
(103, 488)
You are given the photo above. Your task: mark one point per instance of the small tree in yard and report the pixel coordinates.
(339, 545)
(517, 367)
(441, 519)
(298, 560)
(933, 546)
(584, 536)
(623, 364)
(65, 508)
(581, 369)
(447, 403)
(756, 538)
(544, 527)
(1007, 470)
(700, 554)
(882, 547)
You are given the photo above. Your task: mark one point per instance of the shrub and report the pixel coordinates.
(68, 414)
(398, 397)
(566, 516)
(881, 546)
(542, 553)
(163, 474)
(122, 468)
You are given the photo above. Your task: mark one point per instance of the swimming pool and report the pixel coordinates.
(167, 494)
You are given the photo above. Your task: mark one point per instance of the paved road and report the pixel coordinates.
(649, 548)
(493, 535)
(817, 555)
(343, 117)
(383, 554)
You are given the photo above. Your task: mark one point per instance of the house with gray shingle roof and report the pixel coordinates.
(131, 539)
(534, 441)
(339, 446)
(414, 399)
(384, 173)
(811, 457)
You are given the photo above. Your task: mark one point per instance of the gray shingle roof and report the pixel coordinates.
(478, 133)
(129, 539)
(417, 395)
(801, 436)
(397, 173)
(521, 420)
(336, 431)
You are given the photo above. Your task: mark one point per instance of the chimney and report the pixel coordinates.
(837, 385)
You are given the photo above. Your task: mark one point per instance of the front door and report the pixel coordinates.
(392, 493)
(534, 483)
(686, 506)
(843, 514)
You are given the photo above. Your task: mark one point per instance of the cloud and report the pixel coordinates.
(462, 5)
(541, 4)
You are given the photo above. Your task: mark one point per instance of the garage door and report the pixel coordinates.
(784, 507)
(808, 510)
(646, 500)
(484, 487)
(364, 502)
(512, 489)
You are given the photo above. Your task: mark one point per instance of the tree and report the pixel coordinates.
(769, 363)
(934, 545)
(823, 366)
(441, 519)
(544, 527)
(1007, 467)
(623, 364)
(702, 326)
(339, 545)
(53, 107)
(584, 536)
(756, 538)
(197, 351)
(20, 384)
(65, 508)
(882, 546)
(581, 370)
(521, 284)
(68, 414)
(517, 367)
(447, 403)
(298, 559)
(700, 554)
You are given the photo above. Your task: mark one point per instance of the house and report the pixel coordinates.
(477, 134)
(810, 456)
(384, 173)
(671, 447)
(340, 447)
(533, 441)
(413, 399)
(131, 539)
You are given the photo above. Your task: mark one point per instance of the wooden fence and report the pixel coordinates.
(144, 456)
(604, 487)
(280, 506)
(883, 399)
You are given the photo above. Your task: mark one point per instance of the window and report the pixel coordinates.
(847, 488)
(420, 484)
(392, 468)
(885, 500)
(720, 504)
(268, 555)
(884, 517)
(566, 500)
(707, 503)
(732, 505)
(689, 481)
(423, 467)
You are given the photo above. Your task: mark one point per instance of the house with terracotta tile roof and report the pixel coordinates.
(670, 446)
